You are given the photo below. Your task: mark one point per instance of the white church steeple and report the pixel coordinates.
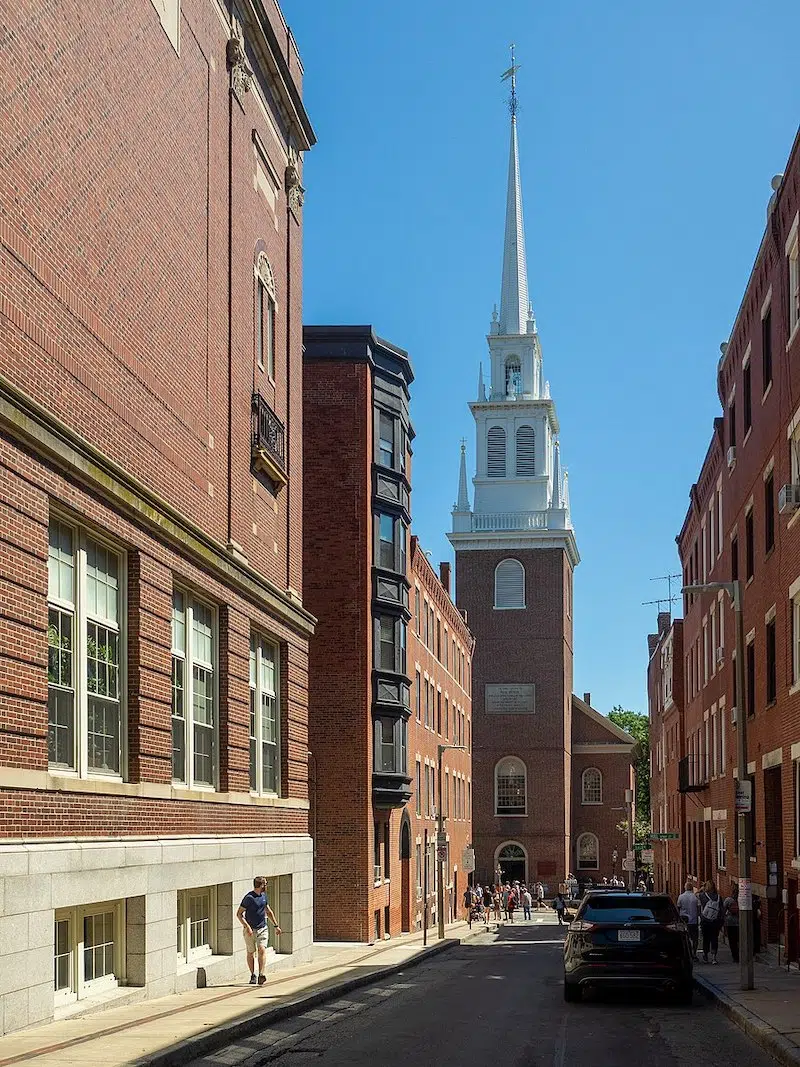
(519, 495)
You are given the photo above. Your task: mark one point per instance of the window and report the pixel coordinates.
(446, 717)
(418, 788)
(418, 715)
(438, 711)
(747, 398)
(510, 787)
(87, 950)
(525, 452)
(376, 859)
(591, 786)
(749, 545)
(772, 668)
(265, 316)
(390, 549)
(390, 745)
(769, 512)
(386, 541)
(418, 852)
(750, 681)
(734, 558)
(390, 654)
(732, 424)
(84, 655)
(588, 852)
(496, 456)
(722, 850)
(766, 349)
(194, 720)
(509, 584)
(513, 377)
(427, 789)
(795, 603)
(793, 268)
(264, 720)
(196, 923)
(446, 650)
(386, 439)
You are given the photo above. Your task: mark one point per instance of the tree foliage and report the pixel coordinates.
(637, 725)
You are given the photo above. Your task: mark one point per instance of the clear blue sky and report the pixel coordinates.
(648, 137)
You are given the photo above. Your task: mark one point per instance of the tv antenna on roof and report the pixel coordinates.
(671, 597)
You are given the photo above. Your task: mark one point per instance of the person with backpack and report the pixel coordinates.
(711, 916)
(559, 906)
(731, 907)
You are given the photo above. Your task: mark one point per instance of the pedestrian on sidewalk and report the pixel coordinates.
(527, 900)
(711, 916)
(487, 904)
(559, 904)
(731, 906)
(512, 904)
(505, 895)
(496, 903)
(253, 913)
(539, 895)
(689, 911)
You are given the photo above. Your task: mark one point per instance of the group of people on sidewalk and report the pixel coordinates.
(708, 915)
(501, 901)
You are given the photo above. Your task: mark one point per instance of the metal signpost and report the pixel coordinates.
(744, 826)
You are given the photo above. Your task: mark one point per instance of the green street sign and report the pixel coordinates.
(640, 845)
(664, 837)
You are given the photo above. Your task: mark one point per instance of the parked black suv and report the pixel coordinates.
(623, 938)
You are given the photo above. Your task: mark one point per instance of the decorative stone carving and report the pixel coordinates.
(241, 74)
(294, 188)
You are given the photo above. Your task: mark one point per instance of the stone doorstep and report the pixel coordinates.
(783, 1045)
(249, 1020)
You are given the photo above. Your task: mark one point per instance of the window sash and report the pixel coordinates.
(196, 926)
(194, 692)
(87, 950)
(386, 439)
(592, 787)
(264, 717)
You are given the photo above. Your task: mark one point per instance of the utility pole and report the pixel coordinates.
(744, 799)
(441, 838)
(629, 809)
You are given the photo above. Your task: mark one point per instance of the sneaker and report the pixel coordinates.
(262, 979)
(253, 979)
(713, 959)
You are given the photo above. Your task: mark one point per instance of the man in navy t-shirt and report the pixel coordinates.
(253, 914)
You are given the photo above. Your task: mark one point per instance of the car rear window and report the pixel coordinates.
(622, 909)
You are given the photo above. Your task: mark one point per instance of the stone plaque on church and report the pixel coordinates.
(509, 699)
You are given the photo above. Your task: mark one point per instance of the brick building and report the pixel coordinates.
(515, 556)
(153, 639)
(441, 649)
(742, 523)
(369, 810)
(666, 700)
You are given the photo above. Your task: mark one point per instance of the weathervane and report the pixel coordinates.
(511, 73)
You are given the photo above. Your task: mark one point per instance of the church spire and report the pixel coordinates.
(514, 304)
(462, 504)
(557, 501)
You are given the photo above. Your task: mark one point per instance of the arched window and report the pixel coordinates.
(509, 584)
(525, 452)
(511, 863)
(591, 786)
(510, 787)
(513, 376)
(496, 455)
(265, 315)
(588, 851)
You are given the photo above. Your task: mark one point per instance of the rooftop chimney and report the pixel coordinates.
(663, 622)
(587, 698)
(652, 641)
(444, 576)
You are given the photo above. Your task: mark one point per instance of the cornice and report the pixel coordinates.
(499, 540)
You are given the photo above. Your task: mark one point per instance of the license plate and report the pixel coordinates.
(629, 935)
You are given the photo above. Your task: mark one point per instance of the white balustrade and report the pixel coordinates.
(510, 520)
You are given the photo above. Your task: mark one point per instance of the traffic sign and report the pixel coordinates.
(628, 865)
(629, 855)
(647, 856)
(441, 853)
(671, 836)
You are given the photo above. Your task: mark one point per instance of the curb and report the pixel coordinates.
(202, 1044)
(779, 1047)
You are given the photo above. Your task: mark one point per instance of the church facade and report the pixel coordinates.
(549, 772)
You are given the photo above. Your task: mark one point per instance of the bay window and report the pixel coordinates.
(391, 744)
(194, 703)
(390, 639)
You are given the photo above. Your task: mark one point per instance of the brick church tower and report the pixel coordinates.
(515, 555)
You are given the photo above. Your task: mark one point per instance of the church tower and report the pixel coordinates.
(515, 556)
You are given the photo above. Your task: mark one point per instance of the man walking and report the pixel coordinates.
(731, 909)
(253, 914)
(689, 911)
(526, 903)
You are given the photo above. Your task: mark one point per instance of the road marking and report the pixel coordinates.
(559, 1057)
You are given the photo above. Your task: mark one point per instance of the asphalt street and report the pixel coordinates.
(495, 1000)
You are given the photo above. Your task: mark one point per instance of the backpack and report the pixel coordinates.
(711, 909)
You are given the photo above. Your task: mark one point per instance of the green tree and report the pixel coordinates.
(637, 725)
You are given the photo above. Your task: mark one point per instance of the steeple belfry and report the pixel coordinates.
(514, 303)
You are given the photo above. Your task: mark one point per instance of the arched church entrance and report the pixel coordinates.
(511, 860)
(405, 875)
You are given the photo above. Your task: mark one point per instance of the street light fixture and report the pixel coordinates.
(744, 835)
(440, 837)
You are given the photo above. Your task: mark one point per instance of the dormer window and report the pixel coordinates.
(513, 377)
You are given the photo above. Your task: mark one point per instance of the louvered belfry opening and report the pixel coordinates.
(525, 452)
(509, 584)
(496, 456)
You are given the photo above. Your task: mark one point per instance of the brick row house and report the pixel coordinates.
(384, 693)
(742, 523)
(153, 637)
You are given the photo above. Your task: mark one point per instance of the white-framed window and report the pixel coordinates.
(88, 950)
(265, 316)
(722, 850)
(526, 452)
(793, 270)
(796, 638)
(592, 786)
(509, 584)
(194, 692)
(496, 452)
(264, 716)
(510, 778)
(796, 773)
(418, 858)
(588, 852)
(197, 923)
(85, 654)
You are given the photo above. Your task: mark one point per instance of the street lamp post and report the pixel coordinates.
(743, 825)
(440, 838)
(629, 810)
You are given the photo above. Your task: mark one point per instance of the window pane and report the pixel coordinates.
(102, 582)
(59, 650)
(199, 920)
(203, 725)
(178, 622)
(178, 719)
(269, 739)
(386, 440)
(103, 735)
(62, 955)
(386, 658)
(98, 941)
(61, 728)
(386, 542)
(60, 563)
(102, 661)
(267, 674)
(202, 633)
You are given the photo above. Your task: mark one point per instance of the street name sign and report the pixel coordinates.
(664, 836)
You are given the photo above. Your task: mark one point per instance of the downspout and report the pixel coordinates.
(230, 295)
(288, 384)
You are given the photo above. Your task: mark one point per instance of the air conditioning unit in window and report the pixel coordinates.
(731, 456)
(788, 498)
(719, 655)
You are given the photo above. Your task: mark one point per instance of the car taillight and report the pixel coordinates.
(580, 926)
(680, 927)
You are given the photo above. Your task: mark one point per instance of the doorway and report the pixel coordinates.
(512, 860)
(773, 803)
(405, 876)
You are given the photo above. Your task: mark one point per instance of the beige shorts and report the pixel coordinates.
(258, 938)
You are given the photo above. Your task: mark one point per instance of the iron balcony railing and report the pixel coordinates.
(269, 435)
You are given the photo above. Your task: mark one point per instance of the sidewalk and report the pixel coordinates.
(174, 1029)
(769, 1014)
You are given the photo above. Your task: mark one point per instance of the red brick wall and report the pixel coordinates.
(667, 805)
(601, 819)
